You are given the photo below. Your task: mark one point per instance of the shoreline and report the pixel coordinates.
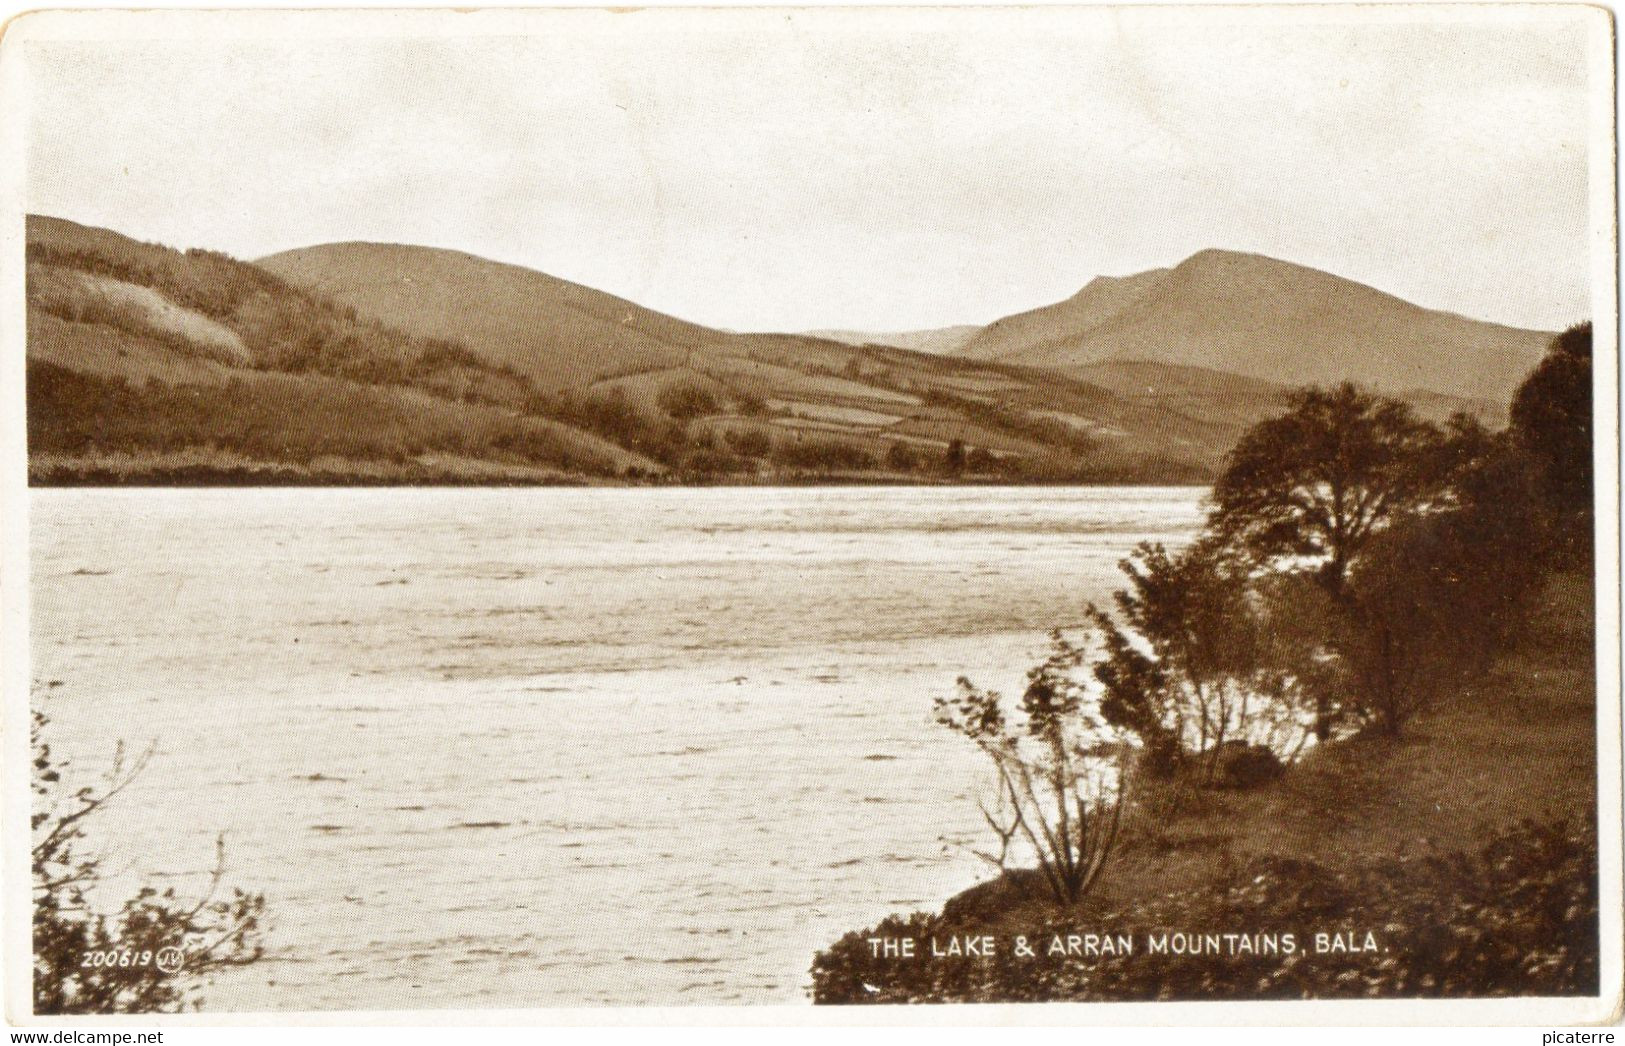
(209, 477)
(1451, 847)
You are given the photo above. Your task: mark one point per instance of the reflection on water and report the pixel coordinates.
(553, 747)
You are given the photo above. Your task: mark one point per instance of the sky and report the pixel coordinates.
(871, 169)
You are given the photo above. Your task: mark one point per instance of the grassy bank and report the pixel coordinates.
(1466, 847)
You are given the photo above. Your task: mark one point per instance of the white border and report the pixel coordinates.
(14, 593)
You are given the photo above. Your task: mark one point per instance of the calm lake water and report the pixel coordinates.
(553, 747)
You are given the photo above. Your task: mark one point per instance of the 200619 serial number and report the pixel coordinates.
(166, 959)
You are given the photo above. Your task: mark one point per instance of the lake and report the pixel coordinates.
(520, 748)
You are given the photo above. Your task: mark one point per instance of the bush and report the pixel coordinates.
(1068, 440)
(702, 463)
(1437, 595)
(1200, 654)
(276, 419)
(685, 401)
(1060, 776)
(1552, 420)
(750, 404)
(613, 417)
(206, 934)
(750, 443)
(1242, 765)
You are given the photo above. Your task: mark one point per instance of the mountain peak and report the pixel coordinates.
(1218, 259)
(1270, 319)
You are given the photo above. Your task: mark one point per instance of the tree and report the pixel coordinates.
(150, 956)
(1321, 480)
(1551, 419)
(953, 462)
(1060, 777)
(1437, 594)
(1421, 540)
(1201, 656)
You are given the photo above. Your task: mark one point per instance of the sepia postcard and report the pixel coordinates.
(746, 513)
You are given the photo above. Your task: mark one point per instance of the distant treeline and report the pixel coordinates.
(276, 420)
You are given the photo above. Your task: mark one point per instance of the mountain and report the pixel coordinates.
(1099, 301)
(389, 363)
(939, 340)
(1272, 320)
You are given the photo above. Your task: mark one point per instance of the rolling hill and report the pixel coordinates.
(1276, 321)
(380, 363)
(148, 364)
(558, 333)
(1222, 398)
(783, 388)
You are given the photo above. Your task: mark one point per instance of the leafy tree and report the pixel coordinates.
(1200, 657)
(1423, 541)
(1320, 481)
(1551, 418)
(86, 961)
(1437, 594)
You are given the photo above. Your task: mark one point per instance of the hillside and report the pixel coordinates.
(558, 333)
(1099, 300)
(1222, 398)
(148, 364)
(387, 363)
(1261, 318)
(369, 363)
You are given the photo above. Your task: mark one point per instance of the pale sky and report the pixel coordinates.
(874, 169)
